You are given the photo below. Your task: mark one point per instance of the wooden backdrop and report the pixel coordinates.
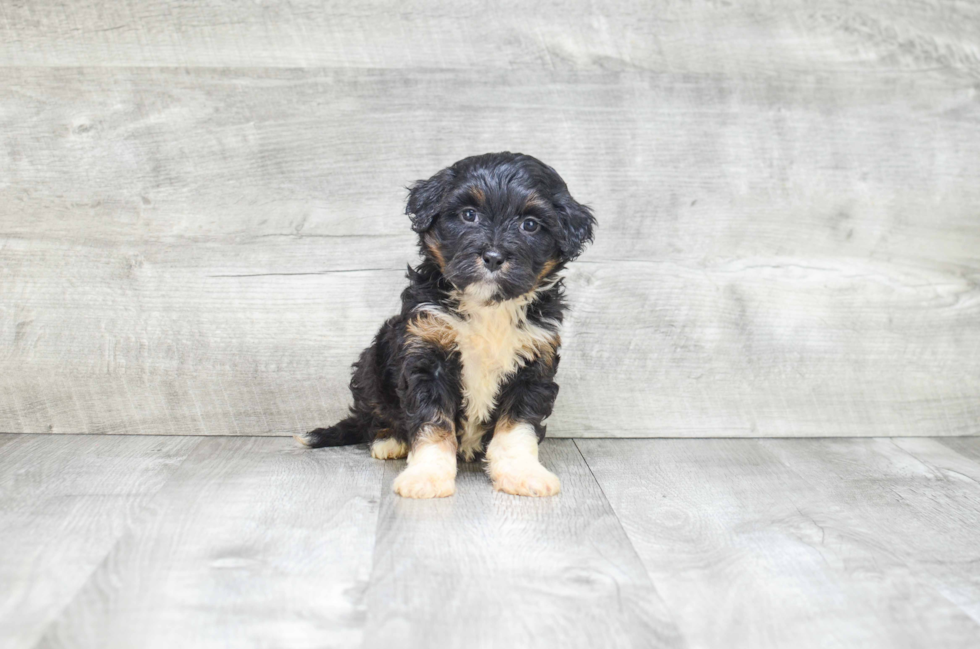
(201, 205)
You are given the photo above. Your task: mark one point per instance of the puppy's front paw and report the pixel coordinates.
(425, 482)
(525, 479)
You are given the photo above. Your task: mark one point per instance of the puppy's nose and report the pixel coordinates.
(493, 260)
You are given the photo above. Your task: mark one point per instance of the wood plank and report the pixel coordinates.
(963, 463)
(749, 553)
(769, 163)
(253, 543)
(206, 251)
(968, 447)
(757, 36)
(919, 498)
(186, 345)
(64, 502)
(486, 569)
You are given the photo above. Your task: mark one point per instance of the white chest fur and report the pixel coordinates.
(493, 341)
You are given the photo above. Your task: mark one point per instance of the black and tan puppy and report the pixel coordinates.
(468, 366)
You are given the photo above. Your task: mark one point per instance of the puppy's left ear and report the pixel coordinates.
(577, 225)
(425, 196)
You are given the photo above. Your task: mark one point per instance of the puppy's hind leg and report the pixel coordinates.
(388, 448)
(512, 461)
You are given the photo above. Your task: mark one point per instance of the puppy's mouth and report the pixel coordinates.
(484, 286)
(494, 276)
(480, 286)
(484, 291)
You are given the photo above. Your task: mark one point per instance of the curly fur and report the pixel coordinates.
(474, 352)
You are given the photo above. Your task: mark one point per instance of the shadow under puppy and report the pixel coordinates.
(468, 366)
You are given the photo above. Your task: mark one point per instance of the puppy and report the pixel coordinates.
(467, 368)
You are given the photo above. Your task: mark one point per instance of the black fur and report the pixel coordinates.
(400, 384)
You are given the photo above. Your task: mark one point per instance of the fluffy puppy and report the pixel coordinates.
(468, 366)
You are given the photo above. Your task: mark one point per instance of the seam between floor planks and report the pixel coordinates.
(137, 520)
(933, 465)
(902, 446)
(232, 560)
(743, 524)
(916, 571)
(530, 568)
(627, 536)
(392, 468)
(134, 521)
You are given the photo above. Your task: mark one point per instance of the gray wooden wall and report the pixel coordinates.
(201, 205)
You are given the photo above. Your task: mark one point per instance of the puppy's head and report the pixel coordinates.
(498, 224)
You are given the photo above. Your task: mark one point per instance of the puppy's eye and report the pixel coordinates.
(529, 225)
(469, 216)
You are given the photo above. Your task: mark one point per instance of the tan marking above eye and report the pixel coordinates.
(535, 202)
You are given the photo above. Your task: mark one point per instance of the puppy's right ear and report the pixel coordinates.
(425, 196)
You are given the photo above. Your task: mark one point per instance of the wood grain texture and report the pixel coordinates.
(64, 502)
(6, 438)
(122, 541)
(253, 543)
(487, 569)
(966, 446)
(917, 493)
(206, 251)
(802, 543)
(200, 206)
(755, 36)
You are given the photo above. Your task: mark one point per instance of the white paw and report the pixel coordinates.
(388, 449)
(423, 481)
(525, 479)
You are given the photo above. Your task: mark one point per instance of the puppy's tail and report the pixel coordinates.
(352, 430)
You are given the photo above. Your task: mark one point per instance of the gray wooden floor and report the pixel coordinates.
(145, 541)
